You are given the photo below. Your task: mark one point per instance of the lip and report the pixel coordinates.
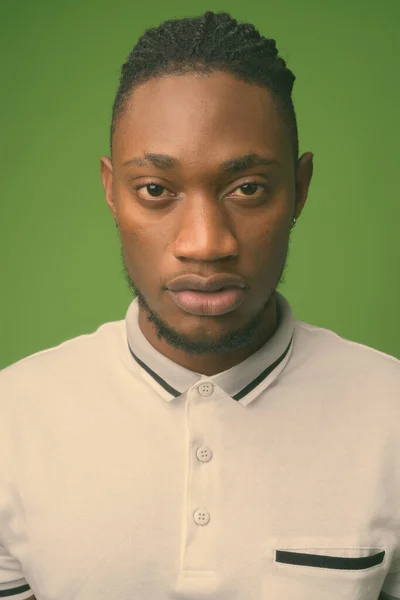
(208, 303)
(197, 283)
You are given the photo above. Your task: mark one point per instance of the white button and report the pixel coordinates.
(206, 389)
(204, 453)
(201, 517)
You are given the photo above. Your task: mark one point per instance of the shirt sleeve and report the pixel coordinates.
(391, 586)
(13, 585)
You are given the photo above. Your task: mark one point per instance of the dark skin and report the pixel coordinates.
(200, 220)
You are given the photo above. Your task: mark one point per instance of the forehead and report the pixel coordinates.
(200, 115)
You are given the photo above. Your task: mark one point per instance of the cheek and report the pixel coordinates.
(271, 232)
(267, 246)
(144, 248)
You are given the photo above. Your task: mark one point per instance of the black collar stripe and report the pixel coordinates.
(161, 381)
(249, 387)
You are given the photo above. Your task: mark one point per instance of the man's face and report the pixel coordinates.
(195, 218)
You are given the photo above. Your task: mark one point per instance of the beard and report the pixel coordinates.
(236, 338)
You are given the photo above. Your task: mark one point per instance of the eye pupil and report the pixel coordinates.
(252, 191)
(155, 185)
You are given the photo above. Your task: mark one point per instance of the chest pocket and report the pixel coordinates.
(330, 573)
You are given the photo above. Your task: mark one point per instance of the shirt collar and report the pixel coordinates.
(243, 382)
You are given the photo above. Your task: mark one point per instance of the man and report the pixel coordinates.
(209, 445)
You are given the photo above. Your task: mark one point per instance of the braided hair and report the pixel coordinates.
(203, 44)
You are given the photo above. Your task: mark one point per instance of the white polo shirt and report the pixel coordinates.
(124, 476)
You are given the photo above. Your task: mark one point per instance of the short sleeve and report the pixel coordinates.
(13, 585)
(391, 586)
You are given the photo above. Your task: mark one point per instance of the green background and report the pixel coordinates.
(61, 272)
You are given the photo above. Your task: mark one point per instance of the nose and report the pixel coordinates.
(205, 231)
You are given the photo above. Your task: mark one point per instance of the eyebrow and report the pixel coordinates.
(233, 165)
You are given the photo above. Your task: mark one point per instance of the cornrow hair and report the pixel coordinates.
(203, 44)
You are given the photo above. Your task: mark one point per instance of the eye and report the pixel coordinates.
(249, 187)
(155, 189)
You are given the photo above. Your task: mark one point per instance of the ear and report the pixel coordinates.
(106, 173)
(304, 172)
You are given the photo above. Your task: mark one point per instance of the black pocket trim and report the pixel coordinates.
(328, 562)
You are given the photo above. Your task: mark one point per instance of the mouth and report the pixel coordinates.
(214, 303)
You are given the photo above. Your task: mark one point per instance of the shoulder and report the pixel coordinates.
(57, 378)
(69, 357)
(347, 354)
(350, 368)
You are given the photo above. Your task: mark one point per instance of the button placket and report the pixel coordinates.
(204, 454)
